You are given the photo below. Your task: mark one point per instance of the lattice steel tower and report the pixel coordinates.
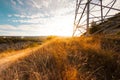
(88, 11)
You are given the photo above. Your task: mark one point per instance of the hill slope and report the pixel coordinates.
(67, 59)
(110, 26)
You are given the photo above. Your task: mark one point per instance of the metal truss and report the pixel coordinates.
(88, 11)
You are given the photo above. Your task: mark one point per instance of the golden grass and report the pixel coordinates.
(78, 58)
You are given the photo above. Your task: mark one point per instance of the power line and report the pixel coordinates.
(88, 9)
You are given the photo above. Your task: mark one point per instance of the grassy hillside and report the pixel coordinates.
(11, 43)
(78, 58)
(110, 26)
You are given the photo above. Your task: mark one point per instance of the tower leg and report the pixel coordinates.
(101, 11)
(88, 11)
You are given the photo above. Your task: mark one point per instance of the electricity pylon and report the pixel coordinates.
(91, 10)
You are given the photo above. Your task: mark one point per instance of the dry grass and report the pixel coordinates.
(67, 59)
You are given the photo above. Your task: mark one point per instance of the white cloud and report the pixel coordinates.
(42, 6)
(58, 25)
(36, 15)
(21, 30)
(7, 27)
(30, 21)
(9, 15)
(35, 4)
(13, 2)
(20, 16)
(43, 17)
(20, 2)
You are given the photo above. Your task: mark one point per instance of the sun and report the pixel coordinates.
(59, 26)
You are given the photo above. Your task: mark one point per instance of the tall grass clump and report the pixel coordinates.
(78, 58)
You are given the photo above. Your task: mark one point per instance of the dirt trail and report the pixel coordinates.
(5, 62)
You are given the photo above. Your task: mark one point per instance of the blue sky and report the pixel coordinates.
(37, 17)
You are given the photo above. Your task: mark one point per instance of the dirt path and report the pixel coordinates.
(6, 61)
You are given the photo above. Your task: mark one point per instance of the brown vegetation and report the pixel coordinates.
(9, 45)
(110, 26)
(78, 58)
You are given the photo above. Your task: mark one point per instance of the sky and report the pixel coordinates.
(37, 17)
